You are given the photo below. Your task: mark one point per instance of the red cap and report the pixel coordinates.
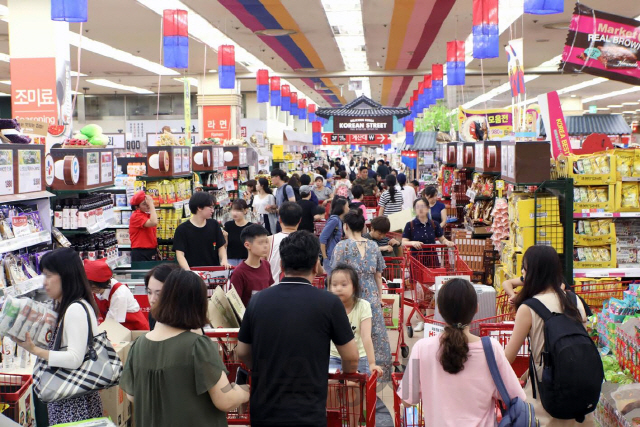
(97, 271)
(137, 198)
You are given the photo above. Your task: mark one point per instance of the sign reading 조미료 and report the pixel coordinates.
(363, 125)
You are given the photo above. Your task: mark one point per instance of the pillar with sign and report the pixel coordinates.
(218, 109)
(40, 67)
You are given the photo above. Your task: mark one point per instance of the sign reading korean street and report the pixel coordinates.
(340, 139)
(363, 125)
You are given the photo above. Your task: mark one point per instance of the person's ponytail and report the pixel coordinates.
(391, 185)
(454, 349)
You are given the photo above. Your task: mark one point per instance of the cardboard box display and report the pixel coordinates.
(235, 156)
(569, 167)
(79, 168)
(466, 155)
(207, 158)
(114, 402)
(587, 240)
(115, 331)
(604, 206)
(547, 235)
(545, 210)
(488, 156)
(525, 162)
(166, 161)
(612, 263)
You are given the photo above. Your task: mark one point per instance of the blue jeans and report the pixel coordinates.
(363, 364)
(234, 261)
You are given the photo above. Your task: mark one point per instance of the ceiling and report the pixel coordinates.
(402, 38)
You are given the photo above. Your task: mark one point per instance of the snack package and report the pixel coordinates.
(601, 195)
(22, 315)
(587, 166)
(604, 164)
(636, 163)
(629, 197)
(624, 162)
(584, 194)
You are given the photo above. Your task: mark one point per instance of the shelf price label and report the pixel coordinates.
(29, 171)
(6, 172)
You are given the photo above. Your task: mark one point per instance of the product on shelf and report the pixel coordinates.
(12, 132)
(167, 191)
(20, 316)
(483, 185)
(83, 212)
(594, 256)
(96, 246)
(136, 169)
(500, 226)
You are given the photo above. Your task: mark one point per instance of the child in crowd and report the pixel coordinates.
(253, 274)
(236, 252)
(356, 203)
(344, 283)
(380, 226)
(449, 372)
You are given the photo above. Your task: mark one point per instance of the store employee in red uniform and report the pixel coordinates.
(114, 299)
(143, 228)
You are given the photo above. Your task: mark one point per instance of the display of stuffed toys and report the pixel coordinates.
(500, 227)
(89, 136)
(12, 133)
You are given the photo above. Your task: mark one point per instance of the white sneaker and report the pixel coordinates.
(419, 327)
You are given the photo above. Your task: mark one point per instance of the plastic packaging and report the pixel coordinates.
(22, 315)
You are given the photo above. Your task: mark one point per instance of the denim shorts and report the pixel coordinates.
(363, 364)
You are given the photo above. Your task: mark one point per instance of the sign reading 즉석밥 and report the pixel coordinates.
(363, 125)
(603, 44)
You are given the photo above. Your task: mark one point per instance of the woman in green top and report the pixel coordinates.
(175, 376)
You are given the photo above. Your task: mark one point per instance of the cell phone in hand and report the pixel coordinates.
(242, 376)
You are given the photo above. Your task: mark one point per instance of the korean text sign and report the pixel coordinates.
(217, 121)
(33, 90)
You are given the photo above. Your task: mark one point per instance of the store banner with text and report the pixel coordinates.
(476, 125)
(554, 124)
(603, 44)
(216, 120)
(33, 90)
(363, 125)
(341, 139)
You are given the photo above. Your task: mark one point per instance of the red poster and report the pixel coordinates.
(33, 90)
(216, 120)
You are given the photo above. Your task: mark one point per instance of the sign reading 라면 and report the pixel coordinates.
(363, 125)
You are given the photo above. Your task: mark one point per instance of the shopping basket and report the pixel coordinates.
(351, 400)
(320, 282)
(213, 277)
(12, 389)
(227, 343)
(318, 226)
(393, 283)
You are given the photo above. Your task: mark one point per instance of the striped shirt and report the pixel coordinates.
(389, 206)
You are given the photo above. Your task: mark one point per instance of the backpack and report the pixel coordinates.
(572, 369)
(518, 413)
(352, 175)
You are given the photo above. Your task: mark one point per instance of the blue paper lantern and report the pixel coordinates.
(176, 52)
(227, 67)
(543, 7)
(69, 10)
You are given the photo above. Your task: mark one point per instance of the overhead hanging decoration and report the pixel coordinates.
(311, 109)
(227, 66)
(69, 10)
(285, 93)
(294, 103)
(486, 43)
(302, 109)
(543, 7)
(409, 131)
(437, 77)
(602, 44)
(428, 90)
(316, 128)
(276, 99)
(455, 63)
(409, 158)
(175, 43)
(262, 79)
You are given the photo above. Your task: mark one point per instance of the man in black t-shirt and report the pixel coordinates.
(284, 340)
(199, 242)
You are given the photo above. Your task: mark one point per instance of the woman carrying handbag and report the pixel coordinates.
(64, 375)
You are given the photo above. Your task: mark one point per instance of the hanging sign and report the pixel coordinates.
(33, 90)
(409, 158)
(363, 125)
(603, 44)
(554, 123)
(217, 121)
(476, 125)
(364, 139)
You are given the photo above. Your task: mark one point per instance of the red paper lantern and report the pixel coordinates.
(275, 83)
(316, 127)
(437, 71)
(175, 23)
(409, 126)
(262, 77)
(286, 91)
(312, 108)
(427, 81)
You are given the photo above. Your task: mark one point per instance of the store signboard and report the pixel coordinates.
(217, 121)
(557, 132)
(354, 139)
(363, 125)
(152, 138)
(116, 140)
(488, 124)
(33, 90)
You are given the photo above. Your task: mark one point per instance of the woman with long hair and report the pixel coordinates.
(252, 189)
(391, 199)
(543, 280)
(261, 200)
(408, 193)
(449, 372)
(332, 231)
(437, 209)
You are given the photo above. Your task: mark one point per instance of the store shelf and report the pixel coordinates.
(92, 229)
(606, 272)
(119, 226)
(607, 215)
(631, 179)
(25, 197)
(70, 192)
(124, 246)
(175, 205)
(122, 208)
(114, 188)
(25, 241)
(25, 287)
(162, 178)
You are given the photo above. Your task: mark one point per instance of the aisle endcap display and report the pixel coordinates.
(79, 169)
(21, 168)
(488, 156)
(207, 158)
(168, 161)
(521, 162)
(466, 155)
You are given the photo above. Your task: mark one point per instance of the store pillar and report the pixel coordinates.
(218, 109)
(40, 67)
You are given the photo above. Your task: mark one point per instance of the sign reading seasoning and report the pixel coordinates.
(363, 125)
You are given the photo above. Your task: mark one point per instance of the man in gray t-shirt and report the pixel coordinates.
(284, 192)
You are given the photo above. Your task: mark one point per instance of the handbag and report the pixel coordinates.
(100, 369)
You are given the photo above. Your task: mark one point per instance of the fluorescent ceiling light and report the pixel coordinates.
(4, 94)
(192, 80)
(628, 112)
(6, 82)
(114, 85)
(614, 106)
(77, 74)
(603, 109)
(631, 103)
(495, 92)
(4, 57)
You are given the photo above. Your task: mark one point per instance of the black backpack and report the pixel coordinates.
(355, 205)
(572, 369)
(352, 175)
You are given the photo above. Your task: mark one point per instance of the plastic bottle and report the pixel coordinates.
(57, 215)
(66, 212)
(73, 215)
(92, 251)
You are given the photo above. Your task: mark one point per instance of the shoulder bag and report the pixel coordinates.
(100, 369)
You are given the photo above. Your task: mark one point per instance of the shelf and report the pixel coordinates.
(490, 173)
(607, 272)
(114, 188)
(69, 192)
(25, 287)
(25, 197)
(631, 179)
(119, 226)
(175, 205)
(162, 178)
(121, 208)
(607, 215)
(25, 241)
(124, 246)
(92, 229)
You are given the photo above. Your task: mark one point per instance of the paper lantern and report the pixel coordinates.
(428, 90)
(408, 126)
(285, 93)
(311, 110)
(175, 38)
(262, 89)
(543, 7)
(276, 99)
(437, 76)
(69, 10)
(227, 66)
(302, 109)
(387, 146)
(316, 128)
(455, 63)
(175, 22)
(486, 36)
(294, 103)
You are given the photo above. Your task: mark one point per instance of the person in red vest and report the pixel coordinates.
(114, 299)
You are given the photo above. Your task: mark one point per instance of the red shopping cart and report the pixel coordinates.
(213, 277)
(351, 400)
(318, 226)
(16, 406)
(320, 282)
(425, 265)
(405, 416)
(502, 333)
(596, 293)
(393, 284)
(370, 201)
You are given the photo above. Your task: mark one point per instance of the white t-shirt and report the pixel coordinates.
(408, 197)
(274, 255)
(261, 202)
(122, 302)
(75, 331)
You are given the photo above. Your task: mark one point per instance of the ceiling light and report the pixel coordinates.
(6, 82)
(573, 96)
(613, 94)
(4, 94)
(564, 25)
(603, 109)
(192, 80)
(628, 112)
(275, 32)
(488, 96)
(114, 85)
(213, 71)
(631, 103)
(4, 57)
(614, 106)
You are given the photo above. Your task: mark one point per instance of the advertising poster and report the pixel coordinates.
(477, 125)
(217, 121)
(515, 55)
(33, 90)
(29, 171)
(554, 124)
(93, 169)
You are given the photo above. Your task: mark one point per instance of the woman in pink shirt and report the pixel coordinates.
(449, 373)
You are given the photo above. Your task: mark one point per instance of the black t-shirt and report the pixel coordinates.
(235, 248)
(308, 212)
(199, 244)
(289, 327)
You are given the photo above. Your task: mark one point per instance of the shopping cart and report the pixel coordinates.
(13, 389)
(351, 400)
(370, 201)
(227, 343)
(502, 333)
(320, 282)
(393, 283)
(596, 293)
(213, 277)
(318, 226)
(405, 416)
(425, 265)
